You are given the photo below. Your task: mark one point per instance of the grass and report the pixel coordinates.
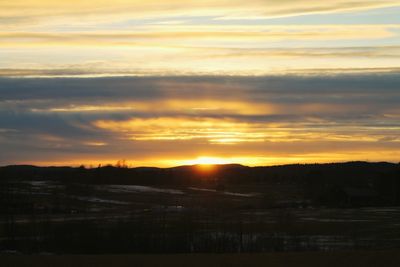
(308, 259)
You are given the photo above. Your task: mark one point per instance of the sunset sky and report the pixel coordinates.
(171, 82)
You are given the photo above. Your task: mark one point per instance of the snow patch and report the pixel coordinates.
(141, 189)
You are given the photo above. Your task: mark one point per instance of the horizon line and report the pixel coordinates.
(192, 165)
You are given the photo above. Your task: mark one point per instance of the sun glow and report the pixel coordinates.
(207, 164)
(207, 161)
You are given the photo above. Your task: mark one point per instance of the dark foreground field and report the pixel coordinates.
(309, 259)
(229, 209)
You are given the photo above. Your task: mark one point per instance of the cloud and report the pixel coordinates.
(76, 10)
(152, 120)
(99, 38)
(190, 36)
(153, 61)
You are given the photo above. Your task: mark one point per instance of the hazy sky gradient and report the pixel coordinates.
(165, 82)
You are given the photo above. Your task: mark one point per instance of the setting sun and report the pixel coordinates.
(207, 164)
(207, 161)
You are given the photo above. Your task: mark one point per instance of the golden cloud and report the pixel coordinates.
(202, 37)
(92, 9)
(228, 131)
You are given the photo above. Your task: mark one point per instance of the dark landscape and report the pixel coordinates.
(305, 259)
(199, 209)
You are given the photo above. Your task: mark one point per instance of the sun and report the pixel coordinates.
(203, 162)
(206, 164)
(207, 161)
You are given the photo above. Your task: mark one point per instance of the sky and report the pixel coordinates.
(172, 82)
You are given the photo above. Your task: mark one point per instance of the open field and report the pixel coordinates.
(308, 259)
(47, 213)
(143, 219)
